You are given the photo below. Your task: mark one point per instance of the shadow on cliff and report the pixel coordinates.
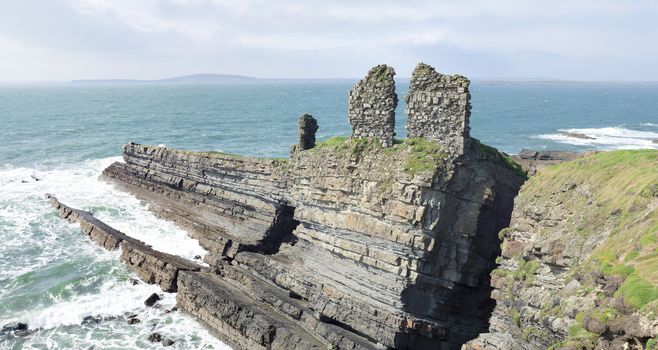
(458, 307)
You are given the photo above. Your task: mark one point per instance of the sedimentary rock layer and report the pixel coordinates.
(532, 161)
(152, 266)
(359, 245)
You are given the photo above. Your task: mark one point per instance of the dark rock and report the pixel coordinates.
(91, 319)
(13, 327)
(654, 141)
(168, 342)
(155, 337)
(306, 129)
(197, 257)
(612, 284)
(579, 136)
(134, 281)
(134, 321)
(593, 325)
(150, 301)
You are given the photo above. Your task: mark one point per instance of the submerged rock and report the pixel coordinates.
(134, 320)
(579, 136)
(168, 342)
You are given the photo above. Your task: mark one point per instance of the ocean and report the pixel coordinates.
(57, 138)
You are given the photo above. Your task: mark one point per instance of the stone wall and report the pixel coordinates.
(438, 108)
(372, 104)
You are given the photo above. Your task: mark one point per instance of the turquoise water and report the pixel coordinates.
(52, 276)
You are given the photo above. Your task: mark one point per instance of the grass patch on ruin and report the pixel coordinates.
(417, 155)
(425, 155)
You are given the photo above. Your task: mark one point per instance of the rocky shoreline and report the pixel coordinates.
(366, 242)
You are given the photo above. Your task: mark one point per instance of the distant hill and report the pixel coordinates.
(193, 78)
(203, 79)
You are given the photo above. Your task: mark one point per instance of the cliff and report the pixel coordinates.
(359, 243)
(579, 262)
(352, 243)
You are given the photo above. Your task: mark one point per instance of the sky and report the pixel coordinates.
(61, 40)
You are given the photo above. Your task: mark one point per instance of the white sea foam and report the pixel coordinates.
(79, 187)
(650, 124)
(606, 138)
(43, 277)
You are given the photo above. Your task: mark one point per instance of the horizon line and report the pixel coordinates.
(172, 79)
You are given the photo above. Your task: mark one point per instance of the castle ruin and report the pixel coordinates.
(372, 104)
(438, 108)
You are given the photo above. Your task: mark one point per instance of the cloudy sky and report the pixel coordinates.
(563, 39)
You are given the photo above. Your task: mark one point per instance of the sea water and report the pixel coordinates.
(57, 138)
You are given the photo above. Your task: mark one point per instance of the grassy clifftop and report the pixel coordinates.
(623, 206)
(596, 218)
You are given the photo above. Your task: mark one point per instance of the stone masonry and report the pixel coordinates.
(438, 108)
(372, 104)
(306, 129)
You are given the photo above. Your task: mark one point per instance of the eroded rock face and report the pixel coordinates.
(438, 108)
(356, 243)
(574, 256)
(372, 103)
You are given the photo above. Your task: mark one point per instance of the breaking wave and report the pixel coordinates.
(52, 276)
(605, 138)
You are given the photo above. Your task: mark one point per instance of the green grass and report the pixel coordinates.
(507, 160)
(425, 155)
(516, 318)
(621, 187)
(332, 142)
(637, 292)
(417, 154)
(651, 343)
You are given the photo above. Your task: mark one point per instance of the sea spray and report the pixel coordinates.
(52, 276)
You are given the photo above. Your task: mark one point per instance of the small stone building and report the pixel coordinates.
(438, 108)
(372, 104)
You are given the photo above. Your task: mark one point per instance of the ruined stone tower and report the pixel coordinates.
(372, 103)
(306, 129)
(438, 108)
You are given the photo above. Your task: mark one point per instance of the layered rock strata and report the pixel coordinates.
(532, 161)
(359, 245)
(152, 266)
(372, 103)
(579, 260)
(438, 108)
